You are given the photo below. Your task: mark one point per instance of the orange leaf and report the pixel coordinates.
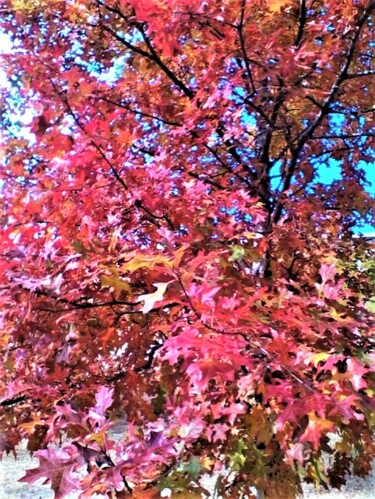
(106, 337)
(277, 5)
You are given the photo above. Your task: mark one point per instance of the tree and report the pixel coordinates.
(169, 251)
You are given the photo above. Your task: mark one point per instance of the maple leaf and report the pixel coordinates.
(316, 428)
(208, 368)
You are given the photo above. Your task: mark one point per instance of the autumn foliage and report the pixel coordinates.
(170, 252)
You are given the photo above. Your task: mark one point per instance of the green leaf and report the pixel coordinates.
(193, 467)
(370, 305)
(239, 456)
(238, 252)
(79, 247)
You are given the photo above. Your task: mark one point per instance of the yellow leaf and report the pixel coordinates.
(207, 463)
(276, 5)
(151, 298)
(29, 427)
(99, 437)
(178, 255)
(337, 316)
(149, 261)
(116, 283)
(317, 357)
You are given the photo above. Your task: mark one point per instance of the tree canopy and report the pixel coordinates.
(171, 252)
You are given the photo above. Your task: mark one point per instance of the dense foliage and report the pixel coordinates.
(172, 252)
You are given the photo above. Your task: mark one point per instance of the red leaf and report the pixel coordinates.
(55, 467)
(104, 399)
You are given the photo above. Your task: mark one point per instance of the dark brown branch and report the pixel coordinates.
(258, 110)
(149, 358)
(152, 56)
(243, 46)
(138, 204)
(314, 101)
(350, 76)
(264, 156)
(225, 166)
(13, 401)
(206, 180)
(231, 148)
(150, 355)
(344, 136)
(156, 58)
(301, 23)
(79, 305)
(4, 351)
(140, 113)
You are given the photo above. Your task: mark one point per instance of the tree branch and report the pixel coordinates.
(243, 46)
(324, 110)
(92, 142)
(140, 113)
(13, 401)
(302, 22)
(344, 136)
(152, 56)
(350, 76)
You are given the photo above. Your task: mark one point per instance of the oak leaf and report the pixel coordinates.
(151, 299)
